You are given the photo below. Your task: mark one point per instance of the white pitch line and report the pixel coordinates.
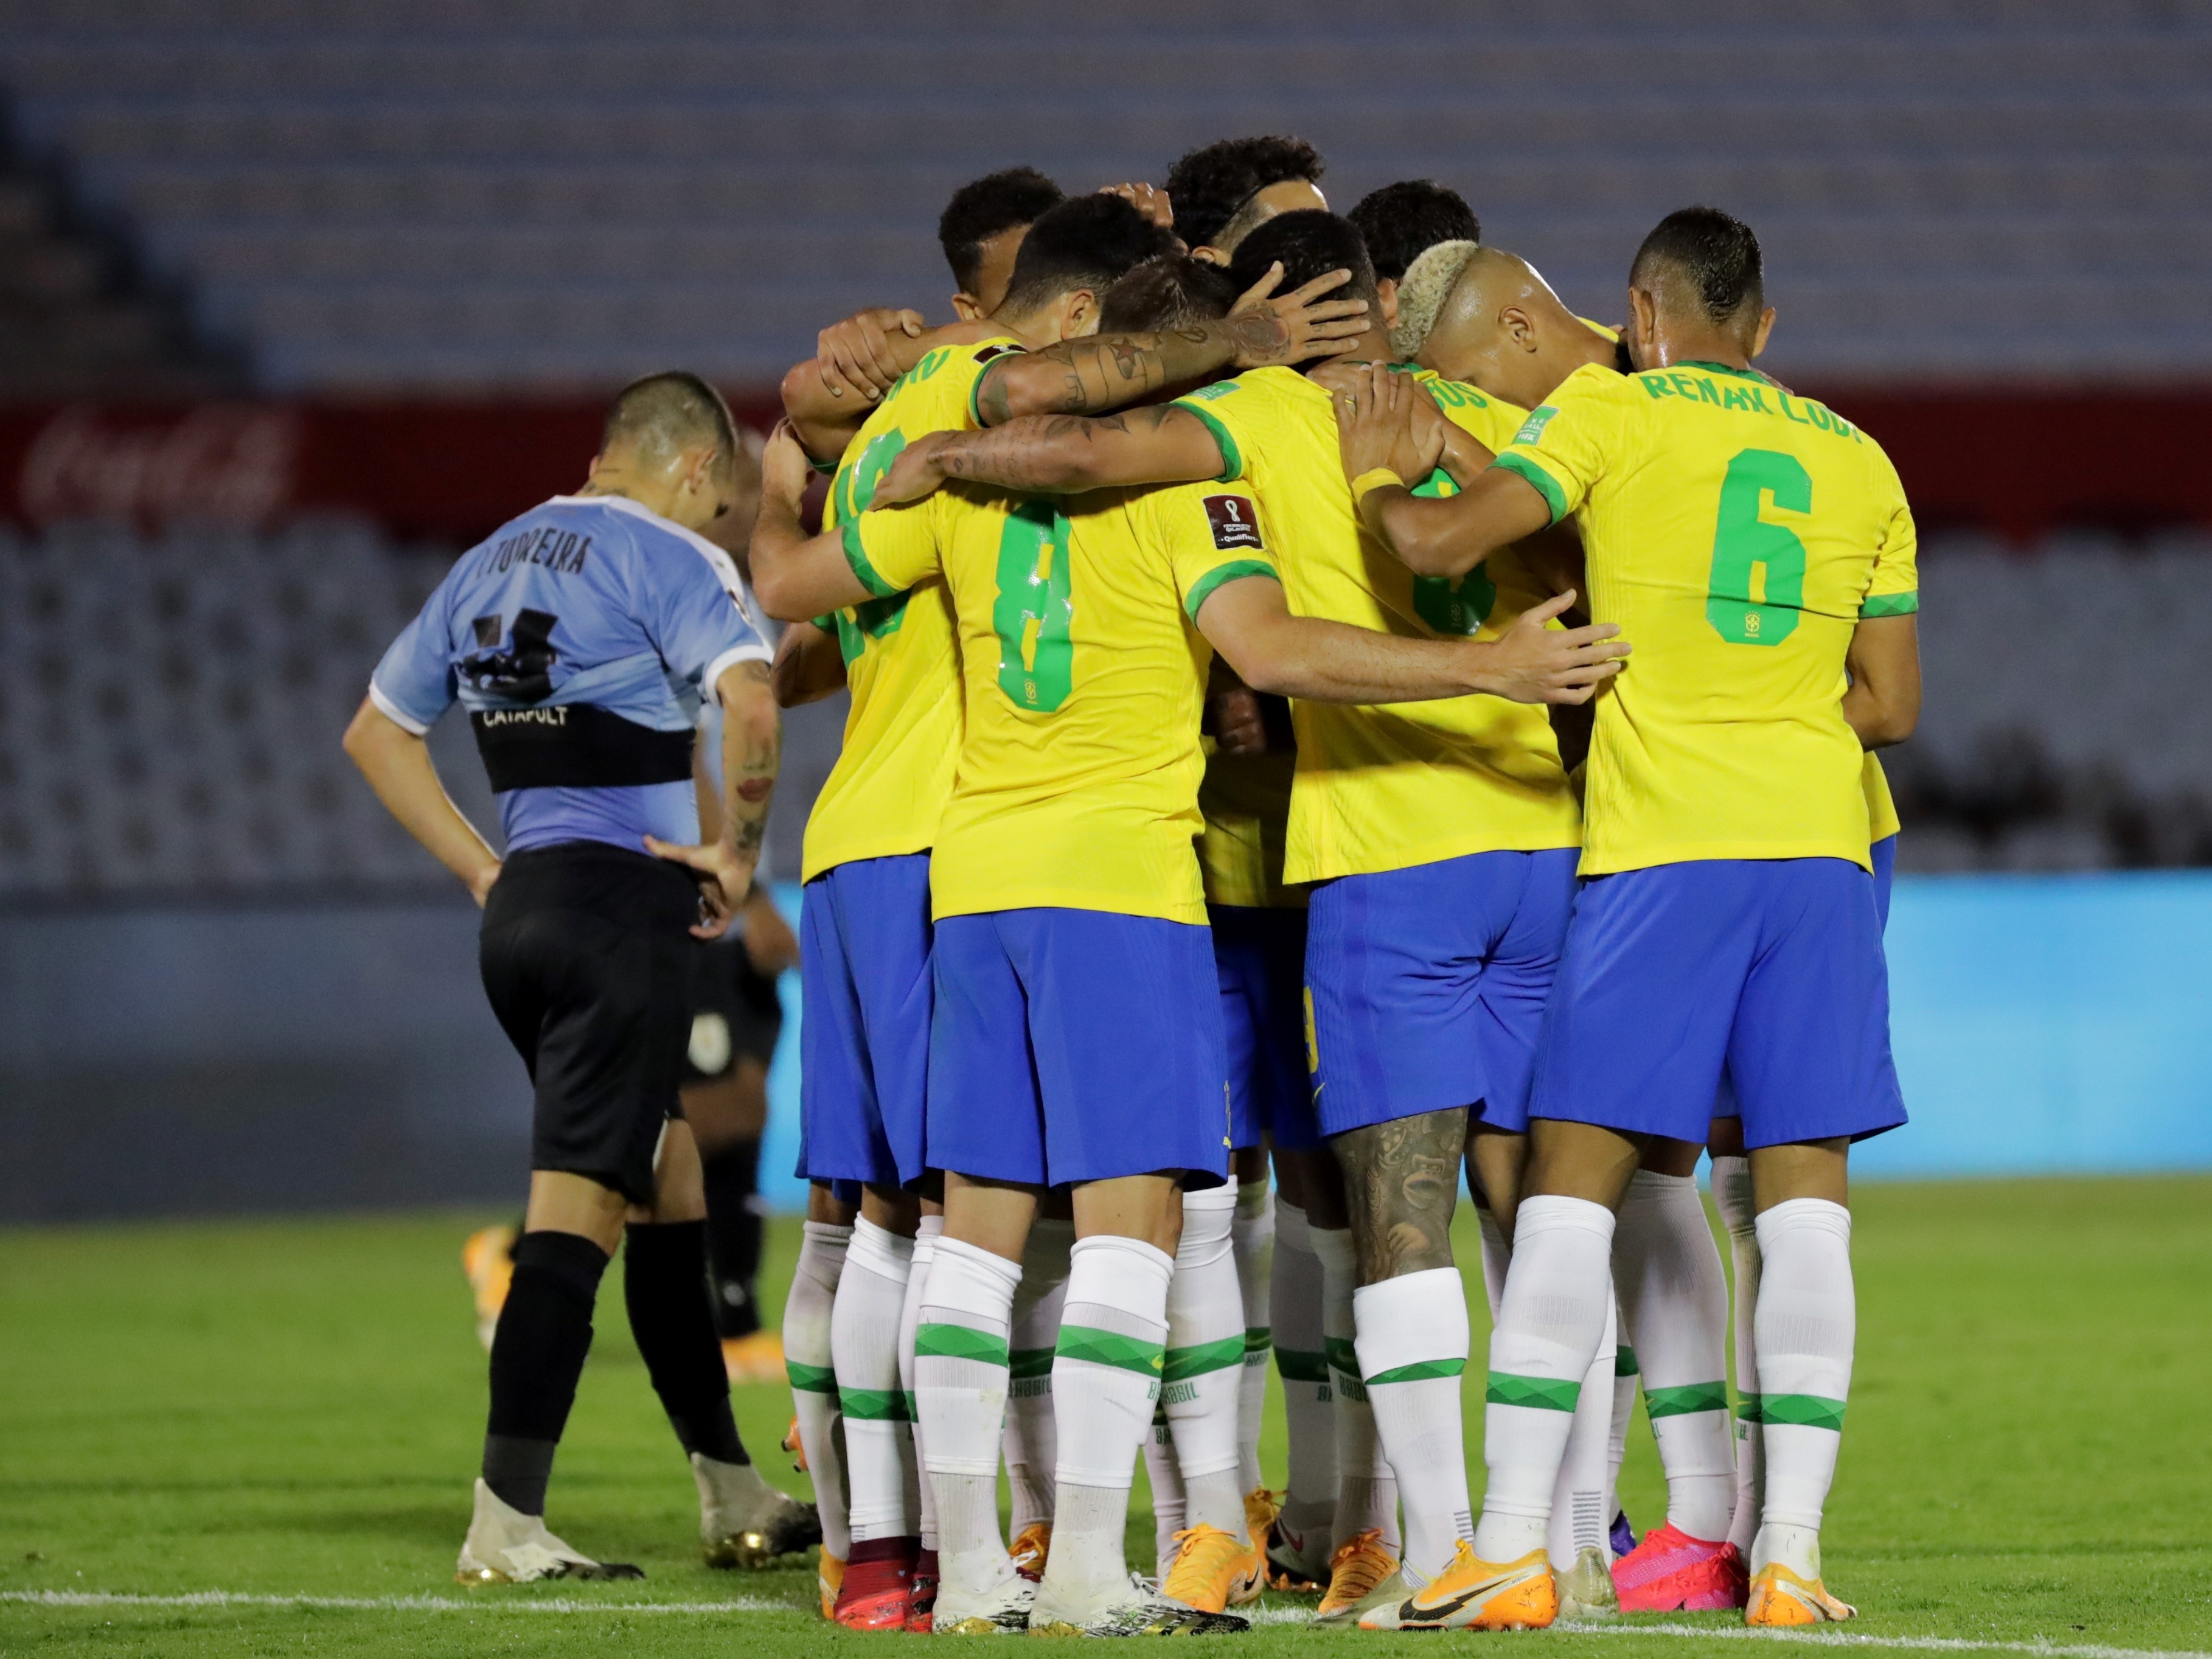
(1269, 1616)
(386, 1603)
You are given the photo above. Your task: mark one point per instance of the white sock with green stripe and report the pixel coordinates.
(1105, 1382)
(1732, 1197)
(1201, 1382)
(1581, 1514)
(1294, 1300)
(960, 1396)
(1366, 1491)
(924, 1251)
(1412, 1347)
(864, 1349)
(1551, 1321)
(1808, 1324)
(1674, 1296)
(1032, 1444)
(1254, 1237)
(808, 1362)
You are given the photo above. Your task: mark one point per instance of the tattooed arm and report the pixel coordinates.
(752, 747)
(1061, 454)
(829, 395)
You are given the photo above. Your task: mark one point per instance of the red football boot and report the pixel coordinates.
(922, 1598)
(1671, 1571)
(878, 1587)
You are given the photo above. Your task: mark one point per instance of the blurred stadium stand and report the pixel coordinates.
(546, 192)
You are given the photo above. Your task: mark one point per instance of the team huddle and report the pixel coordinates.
(1321, 708)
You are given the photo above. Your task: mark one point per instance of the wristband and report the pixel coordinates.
(1370, 481)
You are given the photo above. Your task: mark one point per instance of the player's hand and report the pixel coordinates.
(480, 884)
(1293, 328)
(786, 469)
(1531, 662)
(1148, 199)
(855, 356)
(912, 475)
(726, 877)
(1385, 419)
(1239, 728)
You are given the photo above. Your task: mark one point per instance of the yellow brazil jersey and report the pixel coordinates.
(1737, 533)
(895, 772)
(1083, 677)
(1387, 787)
(1246, 802)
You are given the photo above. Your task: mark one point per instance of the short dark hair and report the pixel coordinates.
(1310, 244)
(1715, 254)
(987, 207)
(1208, 184)
(1087, 241)
(663, 413)
(1400, 223)
(1171, 291)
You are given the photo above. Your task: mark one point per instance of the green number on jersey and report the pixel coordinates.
(1449, 606)
(856, 486)
(1034, 609)
(1756, 588)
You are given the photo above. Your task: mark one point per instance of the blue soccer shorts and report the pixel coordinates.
(1260, 955)
(1427, 986)
(1077, 1045)
(864, 939)
(1767, 971)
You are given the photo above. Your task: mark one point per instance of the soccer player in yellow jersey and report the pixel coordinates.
(1500, 325)
(1069, 916)
(1761, 547)
(1444, 838)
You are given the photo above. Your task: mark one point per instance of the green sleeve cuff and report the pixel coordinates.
(1544, 484)
(1232, 459)
(857, 556)
(1203, 589)
(1890, 604)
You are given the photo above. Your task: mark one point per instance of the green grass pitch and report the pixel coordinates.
(291, 1409)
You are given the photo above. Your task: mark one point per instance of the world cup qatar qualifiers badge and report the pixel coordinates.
(1236, 523)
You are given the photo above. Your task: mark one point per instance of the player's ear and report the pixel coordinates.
(1209, 255)
(1642, 325)
(1387, 292)
(1765, 327)
(964, 306)
(1518, 327)
(1078, 314)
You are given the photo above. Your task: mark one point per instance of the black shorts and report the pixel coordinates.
(735, 1010)
(590, 965)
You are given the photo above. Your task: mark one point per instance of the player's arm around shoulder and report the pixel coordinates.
(828, 397)
(797, 576)
(810, 664)
(1061, 454)
(1388, 431)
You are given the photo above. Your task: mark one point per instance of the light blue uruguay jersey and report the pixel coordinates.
(580, 638)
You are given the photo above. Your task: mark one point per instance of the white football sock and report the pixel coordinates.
(1625, 1378)
(1807, 1323)
(1166, 1478)
(1294, 1301)
(1551, 1321)
(1366, 1492)
(1205, 1365)
(1412, 1348)
(1732, 1197)
(1580, 1517)
(960, 1396)
(864, 1345)
(924, 1248)
(1032, 1443)
(1105, 1382)
(812, 1370)
(1254, 1238)
(1674, 1296)
(1497, 1256)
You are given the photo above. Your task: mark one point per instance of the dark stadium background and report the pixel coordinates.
(296, 301)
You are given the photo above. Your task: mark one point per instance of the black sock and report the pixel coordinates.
(664, 1273)
(537, 1356)
(733, 1235)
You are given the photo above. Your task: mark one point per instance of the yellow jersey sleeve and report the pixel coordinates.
(1230, 420)
(1895, 589)
(1211, 537)
(892, 548)
(1562, 448)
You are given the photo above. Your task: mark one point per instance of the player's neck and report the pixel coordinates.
(1372, 347)
(1671, 346)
